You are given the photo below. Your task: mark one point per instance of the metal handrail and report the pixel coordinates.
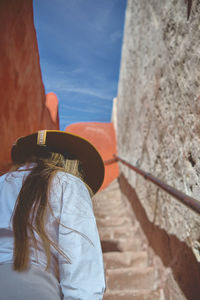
(183, 198)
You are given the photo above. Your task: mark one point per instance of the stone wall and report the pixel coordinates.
(22, 95)
(159, 122)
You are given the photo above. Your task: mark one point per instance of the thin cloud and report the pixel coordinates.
(71, 108)
(85, 91)
(115, 36)
(68, 82)
(79, 44)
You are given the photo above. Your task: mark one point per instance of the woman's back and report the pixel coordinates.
(49, 243)
(69, 223)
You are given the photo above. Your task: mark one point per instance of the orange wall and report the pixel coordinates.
(102, 136)
(52, 105)
(23, 101)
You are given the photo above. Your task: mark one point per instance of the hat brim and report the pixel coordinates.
(62, 142)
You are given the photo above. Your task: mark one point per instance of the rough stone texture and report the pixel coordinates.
(130, 295)
(23, 108)
(102, 136)
(174, 259)
(159, 119)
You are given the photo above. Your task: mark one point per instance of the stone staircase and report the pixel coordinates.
(129, 273)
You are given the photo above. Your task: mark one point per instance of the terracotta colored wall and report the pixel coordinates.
(52, 105)
(102, 136)
(22, 93)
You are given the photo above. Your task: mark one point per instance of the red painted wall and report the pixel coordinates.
(52, 105)
(23, 101)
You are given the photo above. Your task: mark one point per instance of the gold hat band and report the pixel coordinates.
(41, 138)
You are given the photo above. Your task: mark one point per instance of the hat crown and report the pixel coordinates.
(62, 142)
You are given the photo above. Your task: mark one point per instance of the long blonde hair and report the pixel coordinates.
(32, 202)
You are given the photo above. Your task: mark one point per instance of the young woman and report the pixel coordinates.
(49, 243)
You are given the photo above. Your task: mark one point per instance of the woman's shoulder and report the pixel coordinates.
(7, 177)
(66, 181)
(17, 173)
(75, 194)
(67, 178)
(2, 177)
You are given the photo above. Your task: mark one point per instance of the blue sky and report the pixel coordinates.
(80, 50)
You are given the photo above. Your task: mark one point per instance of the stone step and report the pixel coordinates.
(107, 201)
(109, 198)
(114, 185)
(114, 260)
(128, 275)
(117, 213)
(110, 221)
(110, 208)
(108, 195)
(122, 244)
(134, 295)
(131, 278)
(117, 232)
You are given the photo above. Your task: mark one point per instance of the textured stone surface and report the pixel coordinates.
(174, 260)
(158, 107)
(130, 295)
(116, 260)
(102, 136)
(159, 113)
(130, 278)
(23, 108)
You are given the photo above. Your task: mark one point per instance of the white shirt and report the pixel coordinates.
(69, 198)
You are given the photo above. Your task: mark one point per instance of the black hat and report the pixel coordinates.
(62, 142)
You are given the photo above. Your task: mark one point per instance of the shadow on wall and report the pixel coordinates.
(23, 101)
(174, 254)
